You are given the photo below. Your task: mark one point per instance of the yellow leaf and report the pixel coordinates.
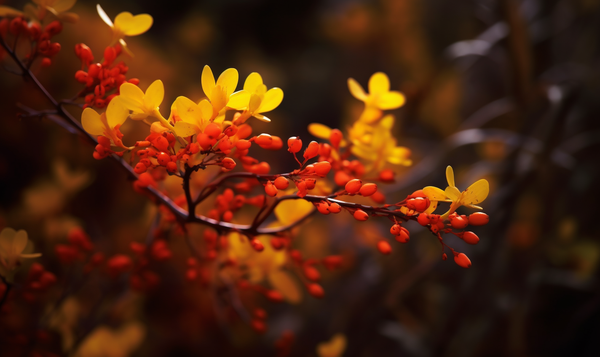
(391, 100)
(271, 100)
(379, 83)
(184, 129)
(253, 81)
(154, 94)
(90, 120)
(286, 285)
(228, 80)
(290, 211)
(239, 100)
(319, 130)
(450, 176)
(476, 193)
(435, 194)
(356, 89)
(131, 25)
(116, 112)
(332, 348)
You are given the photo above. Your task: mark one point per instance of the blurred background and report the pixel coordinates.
(506, 90)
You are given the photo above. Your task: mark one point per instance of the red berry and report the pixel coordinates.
(335, 208)
(264, 141)
(458, 222)
(404, 235)
(311, 273)
(163, 158)
(294, 144)
(353, 186)
(312, 150)
(368, 189)
(281, 183)
(335, 138)
(322, 168)
(470, 237)
(360, 215)
(270, 189)
(478, 219)
(316, 290)
(462, 260)
(396, 229)
(423, 219)
(139, 168)
(384, 247)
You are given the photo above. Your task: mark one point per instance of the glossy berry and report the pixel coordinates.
(316, 290)
(423, 219)
(470, 237)
(353, 186)
(478, 219)
(281, 183)
(312, 150)
(294, 144)
(360, 215)
(462, 260)
(368, 189)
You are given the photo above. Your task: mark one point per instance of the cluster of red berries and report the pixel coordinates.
(38, 281)
(41, 38)
(102, 80)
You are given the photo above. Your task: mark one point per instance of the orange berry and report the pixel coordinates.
(204, 141)
(335, 138)
(163, 158)
(384, 247)
(457, 222)
(172, 167)
(257, 245)
(478, 219)
(353, 186)
(396, 229)
(361, 215)
(227, 216)
(212, 130)
(264, 141)
(423, 219)
(462, 260)
(228, 163)
(311, 273)
(386, 175)
(335, 208)
(316, 290)
(139, 168)
(341, 178)
(294, 144)
(243, 144)
(323, 208)
(324, 150)
(276, 144)
(368, 189)
(322, 168)
(418, 204)
(281, 183)
(470, 237)
(270, 189)
(312, 150)
(161, 143)
(404, 236)
(378, 197)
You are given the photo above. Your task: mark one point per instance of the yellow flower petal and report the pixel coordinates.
(208, 81)
(379, 83)
(319, 130)
(189, 111)
(131, 25)
(104, 16)
(206, 110)
(228, 80)
(116, 113)
(286, 285)
(6, 11)
(450, 176)
(398, 155)
(132, 97)
(271, 100)
(19, 242)
(239, 100)
(63, 5)
(476, 193)
(90, 120)
(432, 206)
(154, 95)
(184, 129)
(332, 348)
(356, 89)
(452, 193)
(253, 81)
(391, 100)
(435, 194)
(255, 101)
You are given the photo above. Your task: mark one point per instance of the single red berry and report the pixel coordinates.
(140, 168)
(423, 219)
(257, 245)
(163, 158)
(368, 189)
(335, 138)
(478, 219)
(396, 229)
(457, 222)
(462, 260)
(270, 189)
(294, 144)
(360, 215)
(281, 183)
(316, 290)
(335, 208)
(311, 273)
(353, 186)
(470, 237)
(312, 150)
(384, 247)
(322, 168)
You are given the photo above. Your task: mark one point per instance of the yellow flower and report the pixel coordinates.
(476, 193)
(334, 347)
(13, 247)
(376, 144)
(144, 105)
(107, 123)
(218, 93)
(379, 98)
(255, 99)
(126, 25)
(194, 117)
